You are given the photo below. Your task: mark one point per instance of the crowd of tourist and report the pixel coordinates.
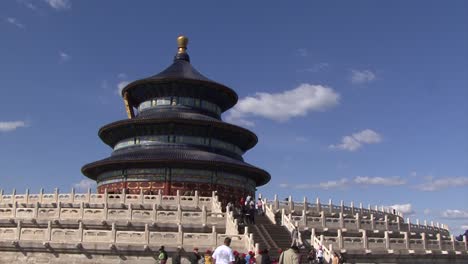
(225, 255)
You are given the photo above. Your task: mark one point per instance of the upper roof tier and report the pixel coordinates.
(180, 79)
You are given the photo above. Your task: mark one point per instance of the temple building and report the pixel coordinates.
(175, 140)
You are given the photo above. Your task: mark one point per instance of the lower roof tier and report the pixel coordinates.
(174, 157)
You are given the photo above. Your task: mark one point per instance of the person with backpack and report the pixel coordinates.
(162, 255)
(259, 207)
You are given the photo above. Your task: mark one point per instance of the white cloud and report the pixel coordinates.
(303, 52)
(389, 181)
(84, 185)
(14, 22)
(364, 76)
(11, 125)
(322, 185)
(455, 214)
(427, 211)
(59, 4)
(285, 105)
(464, 227)
(120, 87)
(64, 56)
(406, 209)
(356, 140)
(317, 67)
(441, 183)
(122, 76)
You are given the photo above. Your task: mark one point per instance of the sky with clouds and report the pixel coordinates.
(357, 102)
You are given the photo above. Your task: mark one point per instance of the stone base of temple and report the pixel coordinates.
(225, 193)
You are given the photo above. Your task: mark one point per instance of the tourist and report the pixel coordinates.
(259, 207)
(162, 257)
(312, 255)
(252, 259)
(289, 256)
(237, 259)
(223, 254)
(247, 258)
(177, 258)
(208, 258)
(342, 258)
(295, 237)
(265, 257)
(247, 200)
(320, 255)
(242, 259)
(194, 257)
(252, 212)
(335, 259)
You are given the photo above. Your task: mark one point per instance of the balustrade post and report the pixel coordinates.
(72, 195)
(13, 196)
(452, 239)
(358, 221)
(27, 195)
(465, 242)
(80, 231)
(155, 213)
(372, 220)
(180, 235)
(312, 236)
(340, 239)
(1, 195)
(81, 210)
(197, 199)
(147, 235)
(407, 239)
(365, 242)
(18, 230)
(304, 218)
(386, 221)
(15, 205)
(204, 217)
(342, 207)
(409, 224)
(330, 206)
(387, 240)
(423, 239)
(106, 211)
(360, 208)
(352, 207)
(290, 203)
(306, 205)
(341, 220)
(36, 208)
(106, 197)
(179, 214)
(398, 221)
(439, 240)
(275, 203)
(59, 209)
(123, 196)
(319, 206)
(88, 195)
(159, 198)
(114, 233)
(323, 220)
(214, 236)
(49, 231)
(178, 197)
(130, 212)
(56, 194)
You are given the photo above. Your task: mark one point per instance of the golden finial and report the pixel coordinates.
(182, 42)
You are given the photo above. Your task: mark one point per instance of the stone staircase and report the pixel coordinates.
(270, 236)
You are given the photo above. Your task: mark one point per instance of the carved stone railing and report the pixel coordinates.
(131, 213)
(58, 237)
(165, 201)
(404, 242)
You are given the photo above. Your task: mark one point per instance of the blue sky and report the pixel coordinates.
(359, 101)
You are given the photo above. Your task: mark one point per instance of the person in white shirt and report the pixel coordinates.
(223, 254)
